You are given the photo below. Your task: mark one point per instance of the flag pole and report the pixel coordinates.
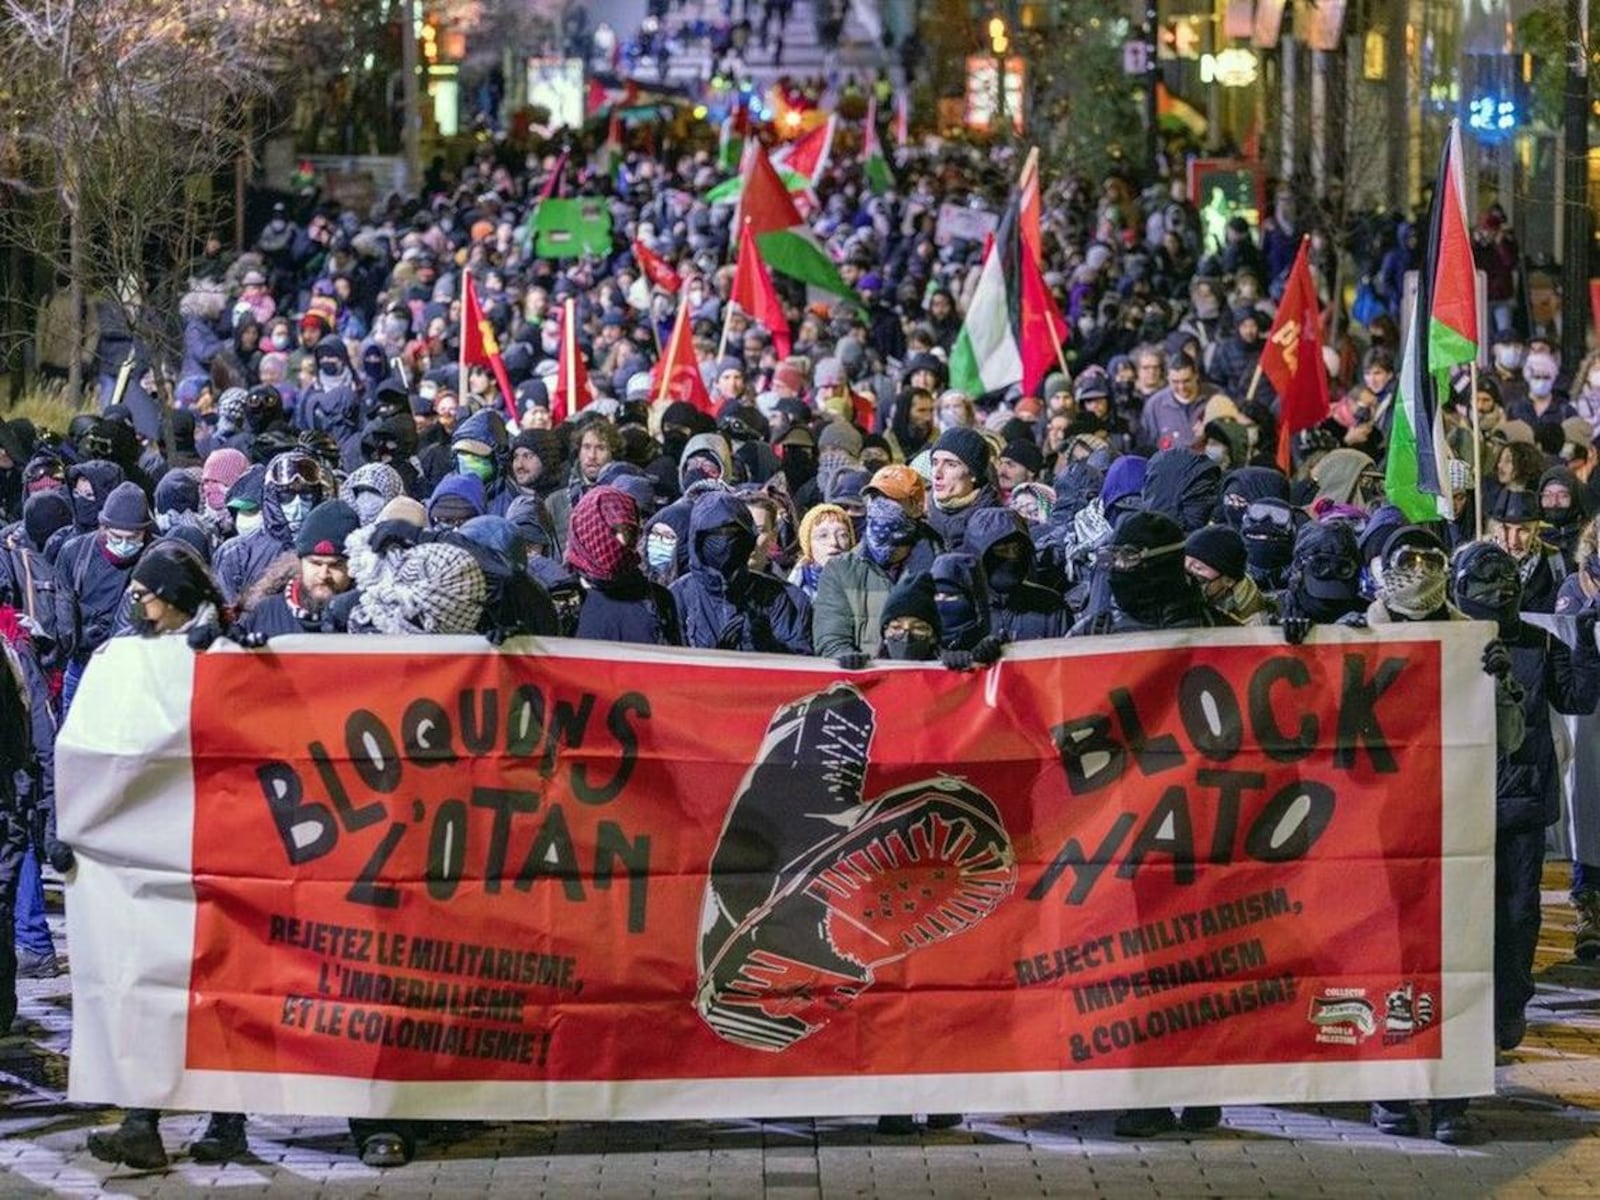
(671, 359)
(1255, 382)
(461, 359)
(1477, 458)
(569, 317)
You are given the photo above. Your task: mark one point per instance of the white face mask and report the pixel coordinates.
(1508, 358)
(247, 522)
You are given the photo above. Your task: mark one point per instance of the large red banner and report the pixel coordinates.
(487, 869)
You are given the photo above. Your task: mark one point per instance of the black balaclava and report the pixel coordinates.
(263, 408)
(1242, 486)
(962, 595)
(1154, 581)
(1268, 530)
(1487, 585)
(1325, 574)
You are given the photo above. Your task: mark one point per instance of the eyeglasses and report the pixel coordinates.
(1131, 558)
(139, 595)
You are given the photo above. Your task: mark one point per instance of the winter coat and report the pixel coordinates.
(1184, 485)
(267, 607)
(745, 612)
(631, 609)
(1167, 423)
(98, 583)
(1528, 780)
(951, 524)
(847, 613)
(1029, 610)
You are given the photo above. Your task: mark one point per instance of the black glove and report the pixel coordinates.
(958, 660)
(393, 535)
(58, 854)
(1295, 629)
(201, 637)
(1497, 659)
(1584, 641)
(987, 652)
(853, 660)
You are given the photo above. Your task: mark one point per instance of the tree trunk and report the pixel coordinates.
(76, 303)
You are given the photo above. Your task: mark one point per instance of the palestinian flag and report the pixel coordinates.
(1007, 337)
(735, 132)
(609, 154)
(732, 189)
(876, 168)
(787, 244)
(809, 156)
(1441, 336)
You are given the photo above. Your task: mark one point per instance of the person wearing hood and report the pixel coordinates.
(826, 532)
(480, 448)
(97, 566)
(1515, 520)
(706, 456)
(517, 604)
(666, 542)
(267, 429)
(333, 402)
(89, 484)
(1214, 557)
(1268, 527)
(1183, 484)
(1020, 608)
(1076, 488)
(221, 471)
(1487, 586)
(963, 483)
(294, 483)
(961, 595)
(721, 603)
(1324, 581)
(392, 441)
(1092, 528)
(619, 603)
(456, 500)
(177, 500)
(1563, 501)
(369, 487)
(296, 592)
(895, 541)
(1144, 568)
(43, 515)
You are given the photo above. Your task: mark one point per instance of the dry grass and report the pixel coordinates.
(47, 406)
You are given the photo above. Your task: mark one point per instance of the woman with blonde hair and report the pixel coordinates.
(825, 533)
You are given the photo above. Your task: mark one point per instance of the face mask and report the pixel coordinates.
(659, 551)
(257, 419)
(1413, 592)
(905, 647)
(1217, 454)
(723, 552)
(368, 505)
(141, 625)
(85, 509)
(330, 376)
(294, 512)
(1541, 388)
(1207, 308)
(473, 464)
(1005, 574)
(1508, 358)
(279, 341)
(888, 525)
(957, 614)
(247, 522)
(124, 548)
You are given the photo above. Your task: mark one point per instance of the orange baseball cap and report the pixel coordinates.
(897, 482)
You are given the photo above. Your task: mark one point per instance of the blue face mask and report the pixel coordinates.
(295, 510)
(123, 547)
(659, 552)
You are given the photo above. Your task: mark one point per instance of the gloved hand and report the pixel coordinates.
(1295, 629)
(201, 637)
(853, 660)
(393, 535)
(958, 660)
(987, 652)
(58, 854)
(1585, 642)
(1497, 659)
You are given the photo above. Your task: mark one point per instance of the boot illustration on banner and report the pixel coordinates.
(811, 888)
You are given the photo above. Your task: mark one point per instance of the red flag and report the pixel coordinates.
(754, 293)
(479, 347)
(1292, 357)
(1044, 330)
(553, 184)
(677, 375)
(572, 390)
(657, 269)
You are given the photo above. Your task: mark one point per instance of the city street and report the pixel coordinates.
(1540, 1137)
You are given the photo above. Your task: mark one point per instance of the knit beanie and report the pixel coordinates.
(171, 571)
(912, 597)
(43, 513)
(969, 446)
(325, 530)
(125, 508)
(1220, 548)
(224, 466)
(178, 492)
(816, 515)
(404, 508)
(1025, 454)
(840, 435)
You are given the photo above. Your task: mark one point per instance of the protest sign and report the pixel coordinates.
(957, 222)
(422, 877)
(572, 228)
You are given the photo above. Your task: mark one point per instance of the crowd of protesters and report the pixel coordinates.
(325, 466)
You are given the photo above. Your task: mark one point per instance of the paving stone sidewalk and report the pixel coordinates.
(1540, 1137)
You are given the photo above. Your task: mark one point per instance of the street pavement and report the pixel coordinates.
(1540, 1137)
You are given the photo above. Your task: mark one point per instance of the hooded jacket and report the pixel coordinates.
(743, 611)
(1184, 485)
(962, 574)
(951, 523)
(240, 561)
(1022, 610)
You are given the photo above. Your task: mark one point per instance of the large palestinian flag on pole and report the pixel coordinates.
(787, 243)
(1008, 336)
(1442, 335)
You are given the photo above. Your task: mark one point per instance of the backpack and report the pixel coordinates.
(39, 594)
